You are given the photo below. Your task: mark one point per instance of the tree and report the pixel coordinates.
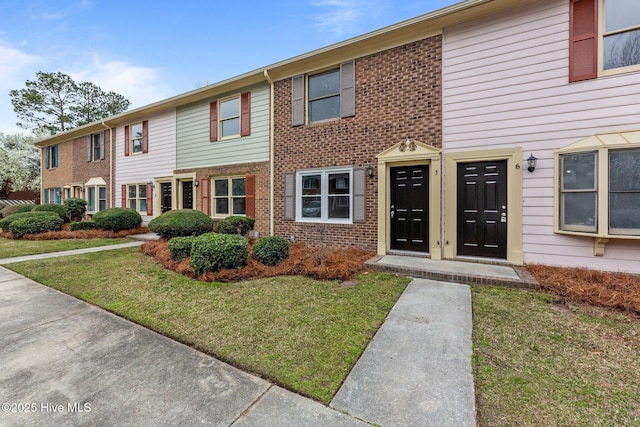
(19, 162)
(55, 103)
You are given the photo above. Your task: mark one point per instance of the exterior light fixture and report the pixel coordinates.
(152, 184)
(195, 183)
(532, 163)
(370, 171)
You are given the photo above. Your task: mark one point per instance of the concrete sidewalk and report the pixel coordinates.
(57, 350)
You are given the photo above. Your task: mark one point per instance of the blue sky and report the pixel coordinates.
(152, 50)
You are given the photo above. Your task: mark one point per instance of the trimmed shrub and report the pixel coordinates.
(76, 208)
(182, 222)
(180, 247)
(235, 225)
(14, 209)
(271, 250)
(215, 252)
(117, 219)
(61, 210)
(82, 225)
(6, 222)
(35, 225)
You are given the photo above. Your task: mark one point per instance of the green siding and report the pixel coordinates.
(193, 148)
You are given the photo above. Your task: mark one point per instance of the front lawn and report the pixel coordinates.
(298, 332)
(12, 248)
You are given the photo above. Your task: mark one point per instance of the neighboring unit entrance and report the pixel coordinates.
(187, 194)
(165, 197)
(410, 208)
(482, 209)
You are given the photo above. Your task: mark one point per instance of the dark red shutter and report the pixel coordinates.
(204, 189)
(149, 199)
(583, 40)
(126, 140)
(245, 114)
(145, 136)
(124, 195)
(213, 121)
(250, 189)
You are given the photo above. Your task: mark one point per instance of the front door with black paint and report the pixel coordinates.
(187, 195)
(410, 208)
(482, 209)
(165, 197)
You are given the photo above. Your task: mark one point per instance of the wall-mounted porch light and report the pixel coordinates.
(532, 163)
(370, 171)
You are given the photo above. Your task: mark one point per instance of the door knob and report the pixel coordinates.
(393, 213)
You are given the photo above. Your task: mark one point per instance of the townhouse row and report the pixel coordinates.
(500, 131)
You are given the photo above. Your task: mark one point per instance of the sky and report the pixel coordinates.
(152, 50)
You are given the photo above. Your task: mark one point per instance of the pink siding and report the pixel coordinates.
(505, 84)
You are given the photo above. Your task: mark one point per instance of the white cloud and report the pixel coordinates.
(13, 62)
(342, 16)
(140, 85)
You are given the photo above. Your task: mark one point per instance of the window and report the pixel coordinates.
(230, 196)
(230, 117)
(52, 195)
(324, 96)
(51, 157)
(96, 198)
(137, 197)
(621, 34)
(136, 138)
(325, 196)
(599, 189)
(330, 95)
(95, 147)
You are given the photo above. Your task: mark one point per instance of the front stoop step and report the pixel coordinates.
(455, 271)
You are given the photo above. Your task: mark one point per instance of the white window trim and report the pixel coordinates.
(239, 117)
(131, 139)
(308, 99)
(137, 198)
(229, 197)
(324, 215)
(601, 36)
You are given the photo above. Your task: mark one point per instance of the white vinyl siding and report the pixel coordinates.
(505, 84)
(194, 148)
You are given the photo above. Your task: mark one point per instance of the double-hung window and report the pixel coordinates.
(96, 198)
(51, 157)
(324, 96)
(136, 138)
(95, 147)
(325, 195)
(621, 33)
(137, 197)
(229, 196)
(230, 117)
(599, 188)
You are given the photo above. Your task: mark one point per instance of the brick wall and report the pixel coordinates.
(63, 174)
(260, 170)
(398, 95)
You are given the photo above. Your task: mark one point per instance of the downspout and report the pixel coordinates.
(111, 171)
(271, 153)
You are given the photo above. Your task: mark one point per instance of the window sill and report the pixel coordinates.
(324, 222)
(599, 240)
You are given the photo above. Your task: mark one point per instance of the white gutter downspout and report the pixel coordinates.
(271, 154)
(111, 171)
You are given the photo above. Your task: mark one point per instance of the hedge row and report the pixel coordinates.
(6, 222)
(35, 225)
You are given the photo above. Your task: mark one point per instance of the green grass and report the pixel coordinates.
(535, 365)
(297, 332)
(13, 248)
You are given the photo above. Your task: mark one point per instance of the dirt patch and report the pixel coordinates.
(303, 261)
(613, 290)
(80, 234)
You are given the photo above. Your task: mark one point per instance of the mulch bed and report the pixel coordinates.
(303, 261)
(606, 289)
(80, 234)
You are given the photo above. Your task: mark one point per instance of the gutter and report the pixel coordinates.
(271, 150)
(111, 171)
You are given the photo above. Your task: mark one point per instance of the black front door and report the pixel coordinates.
(187, 195)
(165, 197)
(410, 208)
(482, 209)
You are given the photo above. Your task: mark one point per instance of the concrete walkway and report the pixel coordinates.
(75, 364)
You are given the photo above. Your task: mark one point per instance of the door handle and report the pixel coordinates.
(393, 213)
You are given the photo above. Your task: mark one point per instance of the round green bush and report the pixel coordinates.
(270, 250)
(35, 225)
(180, 247)
(6, 222)
(235, 225)
(14, 209)
(76, 208)
(82, 225)
(182, 222)
(61, 210)
(117, 219)
(215, 252)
